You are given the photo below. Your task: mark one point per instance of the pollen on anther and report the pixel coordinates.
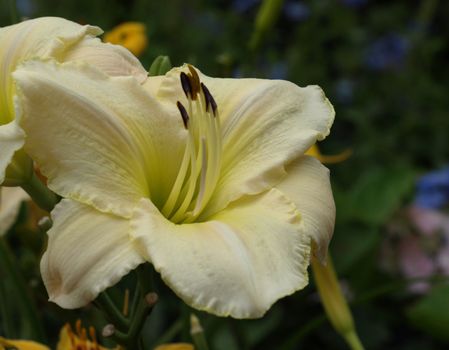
(194, 81)
(184, 114)
(186, 85)
(210, 101)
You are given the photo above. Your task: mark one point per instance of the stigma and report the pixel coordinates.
(199, 170)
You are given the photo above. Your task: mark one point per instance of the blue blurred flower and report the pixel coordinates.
(354, 3)
(242, 6)
(344, 90)
(433, 190)
(296, 11)
(387, 52)
(25, 8)
(278, 70)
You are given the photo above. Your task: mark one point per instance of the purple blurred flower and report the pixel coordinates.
(417, 247)
(387, 52)
(296, 11)
(433, 190)
(354, 3)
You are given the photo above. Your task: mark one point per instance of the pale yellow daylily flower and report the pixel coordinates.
(10, 200)
(131, 35)
(205, 178)
(50, 38)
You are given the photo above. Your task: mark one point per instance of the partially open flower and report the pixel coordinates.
(50, 38)
(205, 178)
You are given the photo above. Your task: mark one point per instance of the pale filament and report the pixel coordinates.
(200, 167)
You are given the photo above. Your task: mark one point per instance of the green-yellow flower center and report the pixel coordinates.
(200, 167)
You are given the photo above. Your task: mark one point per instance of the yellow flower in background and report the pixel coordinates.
(78, 339)
(131, 35)
(314, 151)
(49, 38)
(6, 344)
(69, 339)
(205, 178)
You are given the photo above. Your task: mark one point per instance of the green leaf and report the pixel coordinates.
(160, 66)
(431, 313)
(376, 196)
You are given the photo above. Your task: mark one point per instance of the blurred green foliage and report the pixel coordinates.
(383, 64)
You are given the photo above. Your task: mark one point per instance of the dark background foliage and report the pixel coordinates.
(383, 64)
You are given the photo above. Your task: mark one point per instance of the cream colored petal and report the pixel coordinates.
(10, 200)
(114, 60)
(100, 140)
(88, 251)
(42, 37)
(236, 264)
(12, 138)
(52, 37)
(265, 125)
(308, 186)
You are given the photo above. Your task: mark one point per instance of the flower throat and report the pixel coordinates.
(200, 166)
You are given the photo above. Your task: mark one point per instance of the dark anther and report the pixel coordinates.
(184, 115)
(186, 86)
(194, 81)
(209, 99)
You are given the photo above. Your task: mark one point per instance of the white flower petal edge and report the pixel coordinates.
(114, 60)
(88, 251)
(265, 124)
(12, 139)
(91, 133)
(238, 263)
(10, 200)
(308, 185)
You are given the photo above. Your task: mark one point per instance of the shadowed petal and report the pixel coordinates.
(87, 252)
(10, 200)
(307, 184)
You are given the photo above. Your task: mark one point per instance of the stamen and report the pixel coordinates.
(184, 115)
(194, 81)
(199, 170)
(186, 86)
(93, 336)
(78, 327)
(209, 100)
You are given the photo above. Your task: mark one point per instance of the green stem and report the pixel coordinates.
(10, 265)
(6, 321)
(170, 333)
(112, 313)
(293, 341)
(40, 193)
(197, 333)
